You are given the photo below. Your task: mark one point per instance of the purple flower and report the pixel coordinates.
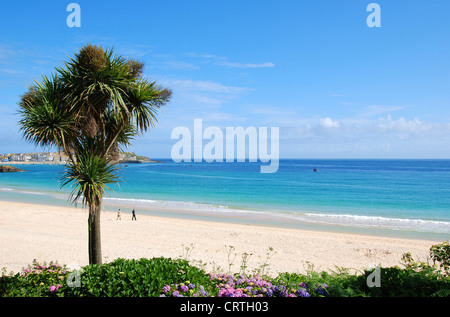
(321, 289)
(166, 289)
(303, 285)
(202, 290)
(52, 289)
(175, 293)
(302, 293)
(184, 288)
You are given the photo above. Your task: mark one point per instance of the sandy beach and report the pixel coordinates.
(50, 233)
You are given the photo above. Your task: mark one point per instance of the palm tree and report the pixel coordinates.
(90, 110)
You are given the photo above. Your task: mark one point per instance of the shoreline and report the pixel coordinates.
(32, 163)
(54, 233)
(212, 213)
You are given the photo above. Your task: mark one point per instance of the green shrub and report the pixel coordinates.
(394, 282)
(134, 278)
(341, 284)
(440, 253)
(398, 282)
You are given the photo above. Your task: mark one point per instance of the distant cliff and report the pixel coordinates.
(131, 157)
(10, 169)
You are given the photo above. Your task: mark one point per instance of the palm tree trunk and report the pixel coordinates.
(95, 245)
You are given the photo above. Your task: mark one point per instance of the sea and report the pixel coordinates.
(393, 198)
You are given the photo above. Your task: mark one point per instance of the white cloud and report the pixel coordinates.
(197, 96)
(202, 86)
(376, 110)
(403, 125)
(247, 65)
(11, 71)
(223, 61)
(179, 65)
(329, 123)
(386, 137)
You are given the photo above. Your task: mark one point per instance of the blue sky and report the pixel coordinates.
(335, 87)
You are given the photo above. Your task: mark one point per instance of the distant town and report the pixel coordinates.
(56, 157)
(34, 157)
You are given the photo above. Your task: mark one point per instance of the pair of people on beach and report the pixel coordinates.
(133, 217)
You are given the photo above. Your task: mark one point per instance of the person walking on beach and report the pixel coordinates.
(134, 215)
(118, 215)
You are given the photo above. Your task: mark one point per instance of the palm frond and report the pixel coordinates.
(144, 100)
(118, 125)
(90, 176)
(45, 119)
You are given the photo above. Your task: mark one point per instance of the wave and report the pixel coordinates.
(346, 220)
(419, 225)
(21, 191)
(118, 200)
(174, 205)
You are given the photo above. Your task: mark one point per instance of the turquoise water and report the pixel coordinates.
(409, 198)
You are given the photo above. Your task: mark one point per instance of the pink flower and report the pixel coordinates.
(52, 289)
(238, 292)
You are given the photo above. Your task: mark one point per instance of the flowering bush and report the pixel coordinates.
(35, 280)
(175, 278)
(184, 290)
(243, 286)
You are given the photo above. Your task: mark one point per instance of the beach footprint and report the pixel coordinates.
(371, 253)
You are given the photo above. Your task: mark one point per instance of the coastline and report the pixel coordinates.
(64, 163)
(52, 233)
(32, 163)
